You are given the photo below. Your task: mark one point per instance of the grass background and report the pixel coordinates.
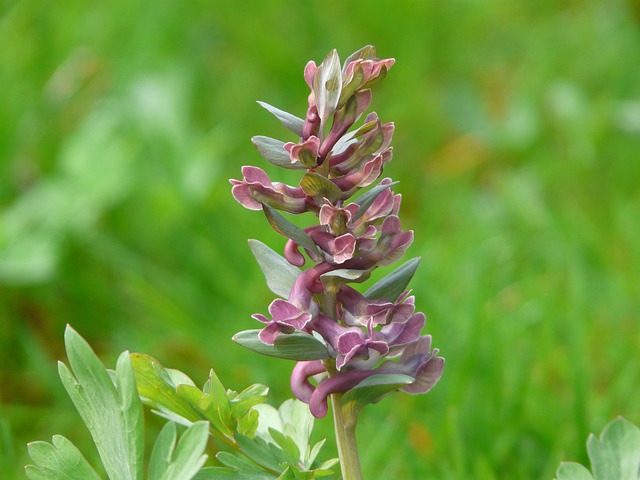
(517, 148)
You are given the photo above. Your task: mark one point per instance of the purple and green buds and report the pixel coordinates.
(367, 344)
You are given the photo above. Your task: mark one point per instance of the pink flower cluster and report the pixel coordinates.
(363, 336)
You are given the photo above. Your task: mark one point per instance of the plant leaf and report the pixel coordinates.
(372, 389)
(58, 460)
(391, 286)
(279, 273)
(221, 473)
(573, 471)
(162, 450)
(286, 228)
(294, 346)
(114, 418)
(249, 398)
(273, 151)
(366, 199)
(188, 456)
(290, 121)
(617, 453)
(154, 387)
(261, 452)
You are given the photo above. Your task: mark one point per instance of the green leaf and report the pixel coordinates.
(287, 444)
(239, 463)
(58, 460)
(162, 450)
(320, 187)
(279, 273)
(221, 473)
(372, 389)
(113, 417)
(327, 86)
(290, 121)
(273, 151)
(366, 199)
(249, 398)
(131, 410)
(573, 471)
(286, 228)
(288, 474)
(158, 388)
(617, 453)
(215, 403)
(294, 346)
(391, 286)
(188, 456)
(261, 452)
(248, 423)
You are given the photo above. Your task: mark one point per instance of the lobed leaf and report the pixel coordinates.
(222, 473)
(181, 462)
(156, 387)
(114, 418)
(249, 398)
(573, 471)
(58, 460)
(294, 346)
(617, 453)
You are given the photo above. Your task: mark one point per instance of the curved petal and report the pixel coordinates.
(337, 384)
(300, 385)
(427, 376)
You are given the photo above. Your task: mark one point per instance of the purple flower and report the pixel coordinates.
(256, 188)
(337, 249)
(286, 318)
(334, 217)
(305, 152)
(363, 336)
(371, 70)
(417, 361)
(358, 310)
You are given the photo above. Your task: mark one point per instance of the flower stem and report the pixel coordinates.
(345, 428)
(344, 421)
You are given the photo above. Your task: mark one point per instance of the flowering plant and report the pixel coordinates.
(350, 347)
(356, 346)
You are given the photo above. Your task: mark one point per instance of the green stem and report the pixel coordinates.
(344, 421)
(345, 428)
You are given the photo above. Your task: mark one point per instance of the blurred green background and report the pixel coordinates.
(517, 148)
